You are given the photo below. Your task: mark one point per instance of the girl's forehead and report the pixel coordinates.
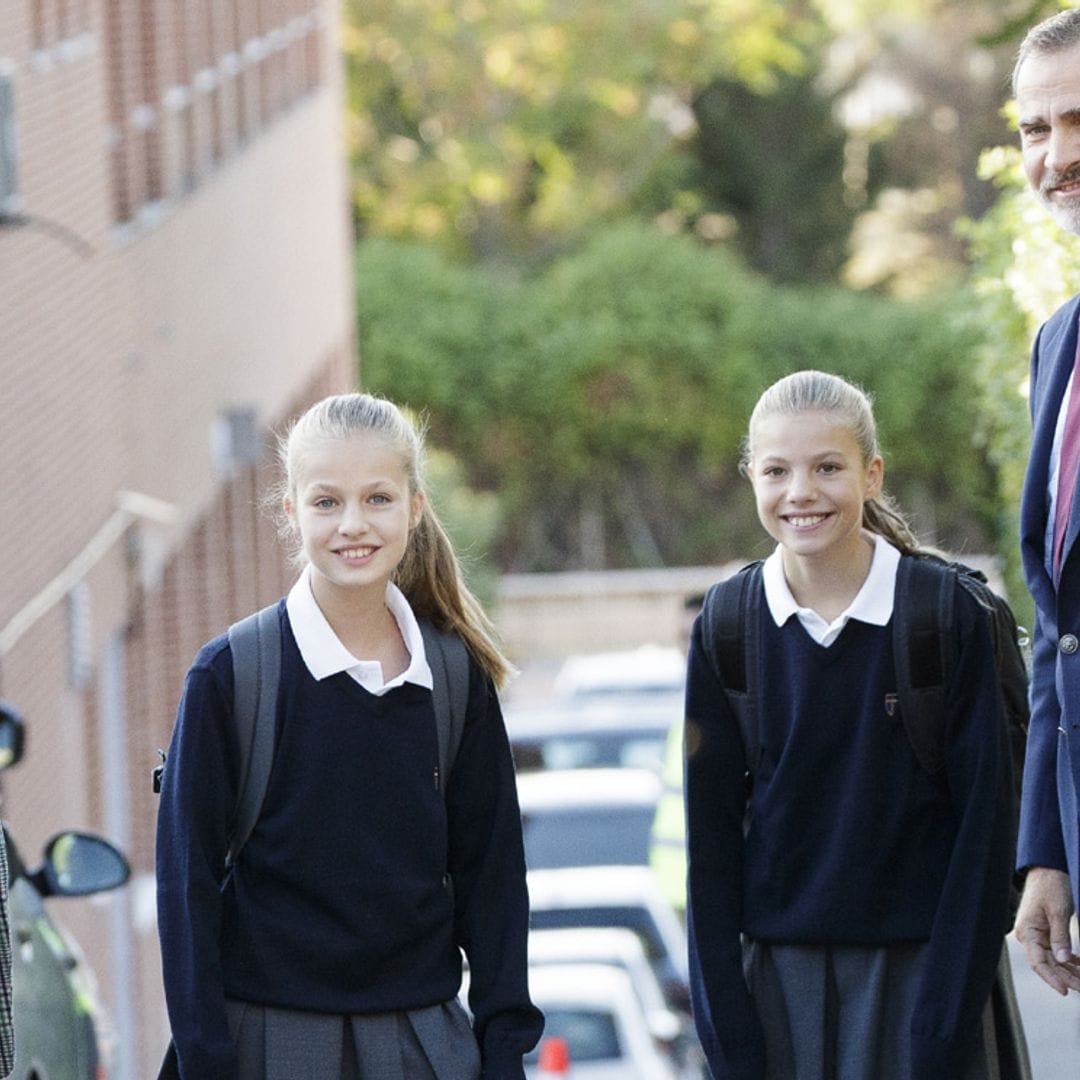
(359, 457)
(804, 432)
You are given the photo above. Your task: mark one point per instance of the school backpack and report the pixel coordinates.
(923, 647)
(255, 642)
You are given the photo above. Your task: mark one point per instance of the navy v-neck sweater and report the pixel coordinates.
(843, 819)
(847, 840)
(338, 902)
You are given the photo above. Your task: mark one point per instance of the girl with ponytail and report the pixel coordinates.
(847, 909)
(333, 947)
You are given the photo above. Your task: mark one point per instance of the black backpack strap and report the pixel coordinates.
(731, 624)
(923, 652)
(255, 643)
(1012, 660)
(449, 662)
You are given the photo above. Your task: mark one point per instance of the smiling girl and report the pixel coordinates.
(847, 910)
(333, 948)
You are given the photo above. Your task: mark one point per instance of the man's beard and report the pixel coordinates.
(1066, 212)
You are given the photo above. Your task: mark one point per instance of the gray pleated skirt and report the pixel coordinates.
(435, 1043)
(844, 1013)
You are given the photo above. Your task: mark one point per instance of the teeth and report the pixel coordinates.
(805, 522)
(356, 553)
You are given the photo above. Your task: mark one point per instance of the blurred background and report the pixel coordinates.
(578, 238)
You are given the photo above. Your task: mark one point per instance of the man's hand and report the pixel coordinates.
(1042, 927)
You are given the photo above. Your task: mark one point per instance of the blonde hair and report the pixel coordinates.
(822, 392)
(429, 574)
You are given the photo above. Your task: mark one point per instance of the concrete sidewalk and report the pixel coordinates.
(1051, 1022)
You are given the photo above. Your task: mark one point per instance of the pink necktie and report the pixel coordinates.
(1067, 468)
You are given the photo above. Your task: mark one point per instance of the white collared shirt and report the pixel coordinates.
(873, 602)
(324, 655)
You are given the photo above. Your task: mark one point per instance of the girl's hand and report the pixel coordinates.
(1042, 927)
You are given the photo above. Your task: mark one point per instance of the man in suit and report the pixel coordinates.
(1046, 84)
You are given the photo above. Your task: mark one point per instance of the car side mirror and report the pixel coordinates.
(12, 735)
(77, 864)
(664, 1026)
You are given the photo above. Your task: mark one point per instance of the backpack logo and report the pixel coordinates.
(890, 704)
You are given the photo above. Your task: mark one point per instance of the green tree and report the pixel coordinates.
(505, 130)
(774, 161)
(501, 127)
(604, 399)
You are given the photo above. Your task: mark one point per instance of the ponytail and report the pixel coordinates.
(881, 516)
(430, 577)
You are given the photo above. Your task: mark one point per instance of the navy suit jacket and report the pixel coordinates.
(1048, 820)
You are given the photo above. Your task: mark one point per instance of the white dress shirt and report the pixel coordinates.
(873, 602)
(324, 655)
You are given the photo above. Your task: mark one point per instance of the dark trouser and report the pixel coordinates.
(435, 1043)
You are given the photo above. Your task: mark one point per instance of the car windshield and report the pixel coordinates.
(590, 1034)
(592, 836)
(632, 917)
(636, 750)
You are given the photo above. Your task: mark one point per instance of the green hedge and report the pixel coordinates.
(604, 400)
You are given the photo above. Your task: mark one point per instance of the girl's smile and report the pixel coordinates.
(356, 555)
(806, 522)
(810, 484)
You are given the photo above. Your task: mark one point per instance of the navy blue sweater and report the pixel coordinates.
(337, 903)
(848, 840)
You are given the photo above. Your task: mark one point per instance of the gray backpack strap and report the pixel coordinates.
(449, 662)
(255, 643)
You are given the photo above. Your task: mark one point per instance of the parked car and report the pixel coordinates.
(624, 896)
(671, 1029)
(594, 1009)
(649, 669)
(587, 817)
(62, 1032)
(599, 732)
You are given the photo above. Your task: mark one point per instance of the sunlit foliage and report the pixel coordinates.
(497, 125)
(605, 399)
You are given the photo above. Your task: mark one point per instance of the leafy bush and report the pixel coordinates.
(604, 401)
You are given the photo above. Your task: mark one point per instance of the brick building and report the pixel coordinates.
(175, 274)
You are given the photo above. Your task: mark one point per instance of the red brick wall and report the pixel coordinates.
(189, 253)
(231, 565)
